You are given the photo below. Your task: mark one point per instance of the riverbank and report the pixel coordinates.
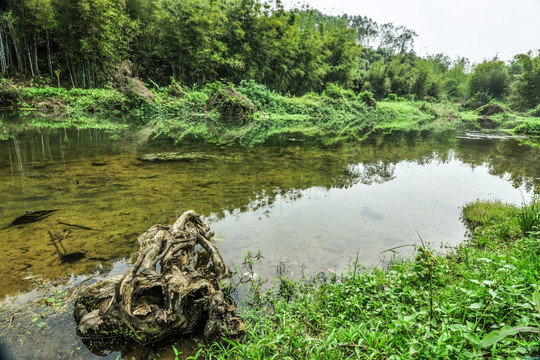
(250, 114)
(480, 300)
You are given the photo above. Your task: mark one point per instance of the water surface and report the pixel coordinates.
(313, 207)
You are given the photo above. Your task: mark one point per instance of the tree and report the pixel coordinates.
(376, 80)
(94, 36)
(342, 52)
(455, 80)
(427, 79)
(526, 87)
(400, 75)
(490, 77)
(188, 38)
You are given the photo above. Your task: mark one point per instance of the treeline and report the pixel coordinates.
(438, 77)
(193, 41)
(80, 43)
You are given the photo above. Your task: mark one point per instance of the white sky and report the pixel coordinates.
(476, 29)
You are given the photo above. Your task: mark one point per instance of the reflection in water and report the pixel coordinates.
(20, 165)
(376, 173)
(314, 207)
(106, 197)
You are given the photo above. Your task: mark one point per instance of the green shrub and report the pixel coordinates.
(529, 216)
(175, 89)
(479, 99)
(529, 128)
(367, 98)
(334, 91)
(534, 112)
(45, 92)
(196, 99)
(261, 96)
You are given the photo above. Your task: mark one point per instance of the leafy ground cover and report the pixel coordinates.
(479, 300)
(251, 114)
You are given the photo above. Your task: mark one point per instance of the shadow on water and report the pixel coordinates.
(32, 216)
(65, 256)
(312, 206)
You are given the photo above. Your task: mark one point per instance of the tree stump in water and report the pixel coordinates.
(170, 289)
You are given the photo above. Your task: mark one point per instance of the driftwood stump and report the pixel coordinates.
(178, 285)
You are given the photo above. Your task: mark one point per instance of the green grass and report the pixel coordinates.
(480, 300)
(528, 126)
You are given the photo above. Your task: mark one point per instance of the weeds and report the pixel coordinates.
(250, 276)
(529, 215)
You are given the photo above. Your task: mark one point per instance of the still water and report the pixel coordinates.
(313, 207)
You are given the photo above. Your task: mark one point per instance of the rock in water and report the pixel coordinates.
(165, 292)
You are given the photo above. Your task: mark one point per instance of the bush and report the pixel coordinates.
(367, 98)
(45, 93)
(175, 89)
(336, 92)
(529, 128)
(479, 99)
(534, 112)
(260, 95)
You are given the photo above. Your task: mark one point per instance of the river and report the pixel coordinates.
(312, 207)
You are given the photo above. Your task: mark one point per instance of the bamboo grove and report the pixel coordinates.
(79, 43)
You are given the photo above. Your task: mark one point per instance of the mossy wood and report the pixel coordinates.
(170, 289)
(175, 156)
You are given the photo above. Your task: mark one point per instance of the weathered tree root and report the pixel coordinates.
(174, 287)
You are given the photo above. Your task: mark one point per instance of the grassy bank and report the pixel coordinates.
(481, 300)
(247, 113)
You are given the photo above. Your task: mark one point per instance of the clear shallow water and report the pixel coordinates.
(324, 229)
(314, 207)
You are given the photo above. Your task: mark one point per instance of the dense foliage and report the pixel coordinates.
(526, 88)
(81, 44)
(191, 41)
(490, 77)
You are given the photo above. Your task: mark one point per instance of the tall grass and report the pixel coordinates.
(529, 215)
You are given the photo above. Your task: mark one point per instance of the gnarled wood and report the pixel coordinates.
(168, 290)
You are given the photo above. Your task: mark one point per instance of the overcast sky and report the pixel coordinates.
(476, 29)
